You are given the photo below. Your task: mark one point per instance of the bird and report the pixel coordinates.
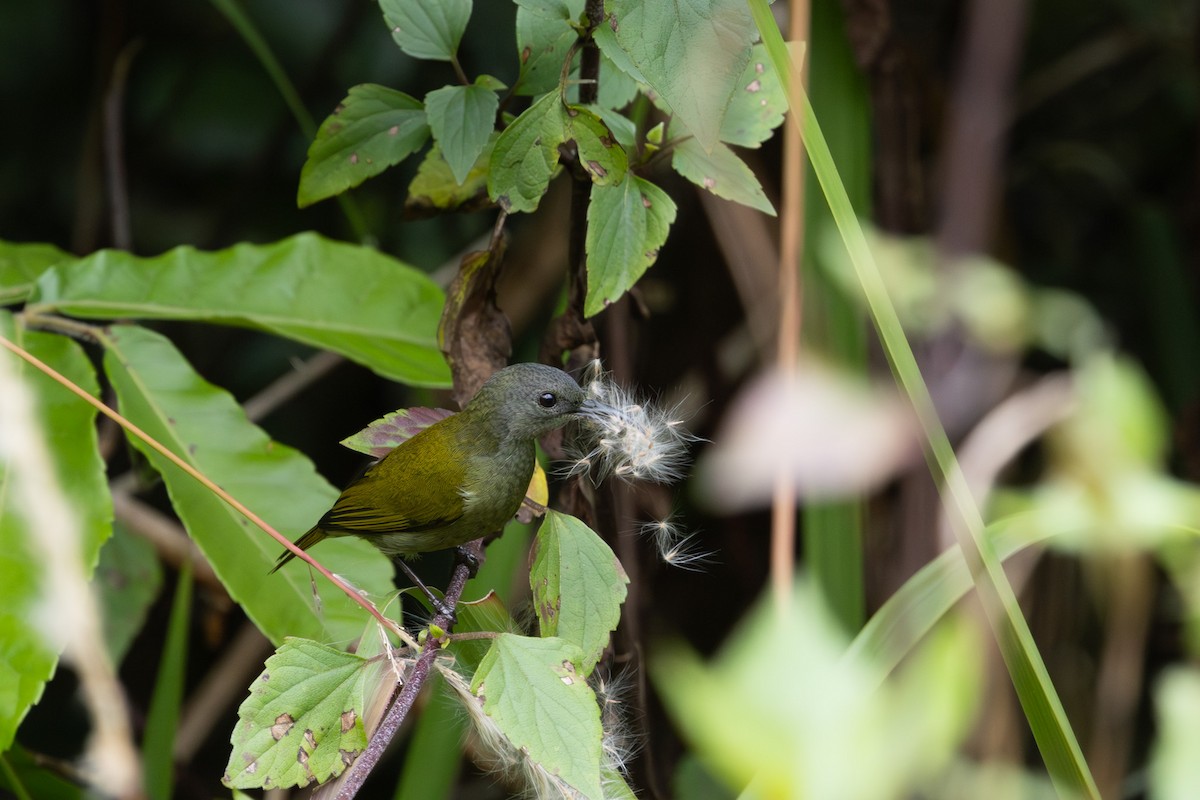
(461, 478)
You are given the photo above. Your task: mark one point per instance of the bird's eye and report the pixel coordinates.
(547, 400)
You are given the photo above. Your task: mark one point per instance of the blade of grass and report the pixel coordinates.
(162, 720)
(262, 51)
(1043, 709)
(833, 325)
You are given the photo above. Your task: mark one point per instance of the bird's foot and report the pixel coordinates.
(466, 555)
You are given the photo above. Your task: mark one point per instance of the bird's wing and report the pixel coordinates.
(414, 488)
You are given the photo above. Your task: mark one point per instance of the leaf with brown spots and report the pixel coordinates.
(302, 725)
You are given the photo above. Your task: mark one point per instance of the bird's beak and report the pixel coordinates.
(595, 409)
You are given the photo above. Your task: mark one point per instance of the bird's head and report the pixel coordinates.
(530, 400)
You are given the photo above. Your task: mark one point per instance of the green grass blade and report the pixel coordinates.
(1053, 733)
(162, 720)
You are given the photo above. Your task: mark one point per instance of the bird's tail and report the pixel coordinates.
(304, 542)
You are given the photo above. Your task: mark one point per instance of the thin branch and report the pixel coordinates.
(114, 148)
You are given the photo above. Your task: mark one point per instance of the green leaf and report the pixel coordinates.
(389, 431)
(68, 427)
(159, 392)
(302, 721)
(534, 692)
(758, 104)
(617, 87)
(21, 264)
(578, 585)
(692, 54)
(623, 128)
(436, 189)
(353, 300)
(526, 155)
(544, 36)
(427, 30)
(372, 129)
(127, 580)
(162, 720)
(485, 614)
(461, 118)
(24, 776)
(627, 224)
(600, 155)
(720, 172)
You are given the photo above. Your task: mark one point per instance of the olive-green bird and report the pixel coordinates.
(462, 477)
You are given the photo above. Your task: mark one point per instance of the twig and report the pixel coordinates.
(398, 712)
(114, 148)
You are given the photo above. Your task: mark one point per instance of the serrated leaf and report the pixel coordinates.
(720, 172)
(384, 434)
(526, 155)
(21, 264)
(427, 30)
(534, 692)
(578, 585)
(461, 118)
(617, 87)
(627, 224)
(758, 104)
(623, 128)
(302, 721)
(159, 391)
(544, 37)
(436, 189)
(68, 426)
(692, 54)
(353, 300)
(372, 129)
(485, 614)
(600, 155)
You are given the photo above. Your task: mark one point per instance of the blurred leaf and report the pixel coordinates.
(578, 585)
(779, 702)
(600, 155)
(159, 392)
(544, 36)
(353, 300)
(435, 188)
(127, 580)
(691, 54)
(617, 88)
(20, 266)
(302, 721)
(372, 129)
(533, 691)
(627, 224)
(22, 777)
(833, 434)
(720, 172)
(427, 30)
(462, 118)
(526, 155)
(162, 719)
(384, 434)
(1174, 767)
(68, 426)
(759, 103)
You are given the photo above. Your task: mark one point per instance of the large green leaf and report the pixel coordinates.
(692, 53)
(534, 692)
(349, 299)
(27, 659)
(161, 393)
(372, 129)
(462, 118)
(303, 720)
(526, 155)
(427, 30)
(627, 224)
(578, 585)
(21, 264)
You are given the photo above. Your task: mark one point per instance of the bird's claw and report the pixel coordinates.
(467, 556)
